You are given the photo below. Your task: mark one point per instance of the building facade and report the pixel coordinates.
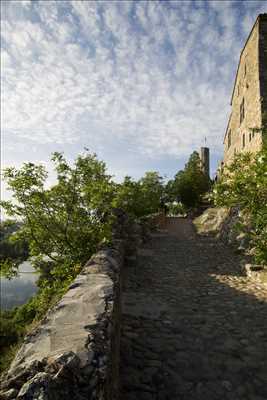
(249, 97)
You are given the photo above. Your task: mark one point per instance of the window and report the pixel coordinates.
(244, 140)
(242, 110)
(229, 138)
(250, 136)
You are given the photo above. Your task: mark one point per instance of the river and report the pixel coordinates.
(18, 290)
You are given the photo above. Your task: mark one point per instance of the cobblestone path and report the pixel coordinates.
(194, 328)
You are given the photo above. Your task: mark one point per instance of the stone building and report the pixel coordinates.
(205, 160)
(249, 97)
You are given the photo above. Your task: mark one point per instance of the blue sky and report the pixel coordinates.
(139, 83)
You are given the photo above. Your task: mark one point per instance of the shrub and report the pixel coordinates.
(176, 208)
(243, 184)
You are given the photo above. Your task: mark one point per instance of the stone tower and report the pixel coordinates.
(249, 97)
(205, 160)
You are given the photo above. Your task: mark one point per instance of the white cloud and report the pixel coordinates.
(154, 74)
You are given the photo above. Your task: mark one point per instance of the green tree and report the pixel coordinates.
(142, 197)
(129, 197)
(189, 184)
(170, 191)
(63, 224)
(152, 189)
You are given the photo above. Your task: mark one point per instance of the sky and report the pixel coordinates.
(139, 83)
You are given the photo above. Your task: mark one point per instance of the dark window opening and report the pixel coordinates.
(242, 110)
(250, 137)
(244, 140)
(229, 139)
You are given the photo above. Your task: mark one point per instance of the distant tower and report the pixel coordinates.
(205, 160)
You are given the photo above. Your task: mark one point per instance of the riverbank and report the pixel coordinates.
(18, 290)
(17, 322)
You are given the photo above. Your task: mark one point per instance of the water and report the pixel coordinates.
(18, 290)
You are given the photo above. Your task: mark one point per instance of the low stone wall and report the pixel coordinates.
(221, 222)
(74, 352)
(211, 220)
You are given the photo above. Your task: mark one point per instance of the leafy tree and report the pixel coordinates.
(170, 191)
(152, 189)
(63, 224)
(189, 184)
(129, 197)
(142, 197)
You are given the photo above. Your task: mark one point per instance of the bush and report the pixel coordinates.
(175, 208)
(243, 184)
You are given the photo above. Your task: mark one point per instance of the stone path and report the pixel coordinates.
(194, 328)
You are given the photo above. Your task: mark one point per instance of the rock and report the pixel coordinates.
(227, 385)
(9, 394)
(211, 221)
(36, 388)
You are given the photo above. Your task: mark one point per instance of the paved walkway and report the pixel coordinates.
(194, 328)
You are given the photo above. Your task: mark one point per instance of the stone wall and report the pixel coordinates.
(263, 61)
(74, 352)
(221, 222)
(248, 88)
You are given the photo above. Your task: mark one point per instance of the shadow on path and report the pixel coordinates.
(194, 328)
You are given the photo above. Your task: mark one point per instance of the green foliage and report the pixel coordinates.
(15, 323)
(129, 197)
(263, 129)
(152, 190)
(65, 223)
(189, 184)
(9, 332)
(12, 329)
(142, 197)
(10, 335)
(13, 248)
(244, 184)
(175, 208)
